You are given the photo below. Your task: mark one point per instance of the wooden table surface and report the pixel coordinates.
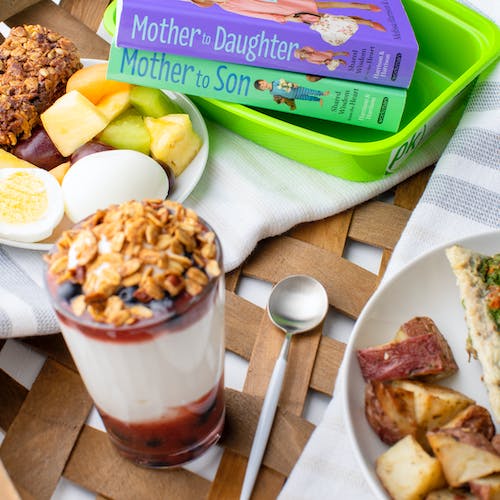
(46, 436)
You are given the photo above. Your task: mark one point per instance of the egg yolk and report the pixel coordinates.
(23, 198)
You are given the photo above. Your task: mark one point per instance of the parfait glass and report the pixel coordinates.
(156, 380)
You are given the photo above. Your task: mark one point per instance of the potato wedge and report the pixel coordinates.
(486, 488)
(419, 350)
(474, 418)
(390, 411)
(435, 405)
(449, 494)
(464, 456)
(495, 441)
(407, 472)
(397, 408)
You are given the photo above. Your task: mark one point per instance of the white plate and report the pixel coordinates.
(427, 287)
(184, 184)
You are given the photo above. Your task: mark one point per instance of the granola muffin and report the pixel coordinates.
(35, 64)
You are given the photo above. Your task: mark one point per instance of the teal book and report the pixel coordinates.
(344, 101)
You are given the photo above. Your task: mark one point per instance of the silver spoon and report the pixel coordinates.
(297, 304)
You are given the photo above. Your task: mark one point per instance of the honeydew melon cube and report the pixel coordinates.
(152, 102)
(127, 131)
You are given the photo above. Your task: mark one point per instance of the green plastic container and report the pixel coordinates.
(456, 46)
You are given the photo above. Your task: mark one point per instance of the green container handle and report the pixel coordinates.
(109, 18)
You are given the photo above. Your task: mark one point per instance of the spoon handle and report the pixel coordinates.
(265, 420)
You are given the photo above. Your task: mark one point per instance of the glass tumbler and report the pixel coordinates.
(157, 379)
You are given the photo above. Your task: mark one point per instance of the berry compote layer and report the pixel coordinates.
(150, 349)
(174, 440)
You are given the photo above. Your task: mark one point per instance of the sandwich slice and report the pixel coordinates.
(478, 280)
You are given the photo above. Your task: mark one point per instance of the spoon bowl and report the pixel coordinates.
(297, 304)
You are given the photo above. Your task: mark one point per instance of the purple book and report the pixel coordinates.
(361, 41)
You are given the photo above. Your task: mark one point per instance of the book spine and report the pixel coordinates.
(372, 106)
(348, 46)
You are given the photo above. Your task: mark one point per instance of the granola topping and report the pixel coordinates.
(35, 64)
(125, 257)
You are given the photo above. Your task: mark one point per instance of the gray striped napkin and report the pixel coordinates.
(462, 198)
(24, 307)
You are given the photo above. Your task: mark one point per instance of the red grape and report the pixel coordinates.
(39, 150)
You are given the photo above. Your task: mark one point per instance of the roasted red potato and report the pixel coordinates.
(419, 350)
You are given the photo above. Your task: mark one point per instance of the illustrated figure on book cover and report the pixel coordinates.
(327, 58)
(285, 100)
(334, 29)
(280, 10)
(286, 91)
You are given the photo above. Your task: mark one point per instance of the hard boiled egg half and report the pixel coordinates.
(111, 177)
(31, 204)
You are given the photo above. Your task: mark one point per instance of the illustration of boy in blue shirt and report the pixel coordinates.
(288, 90)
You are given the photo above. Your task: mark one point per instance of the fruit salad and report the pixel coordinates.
(105, 142)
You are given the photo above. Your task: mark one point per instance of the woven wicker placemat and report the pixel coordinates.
(45, 432)
(46, 435)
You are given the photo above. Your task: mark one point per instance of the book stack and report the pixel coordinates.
(349, 62)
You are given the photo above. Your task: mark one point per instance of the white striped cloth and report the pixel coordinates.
(247, 193)
(462, 198)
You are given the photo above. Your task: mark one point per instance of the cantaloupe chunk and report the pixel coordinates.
(91, 81)
(60, 171)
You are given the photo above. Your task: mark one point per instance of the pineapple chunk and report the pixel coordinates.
(408, 472)
(113, 105)
(173, 140)
(72, 121)
(8, 160)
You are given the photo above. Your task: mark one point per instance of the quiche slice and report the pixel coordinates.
(478, 280)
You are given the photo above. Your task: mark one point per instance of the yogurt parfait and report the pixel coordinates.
(139, 293)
